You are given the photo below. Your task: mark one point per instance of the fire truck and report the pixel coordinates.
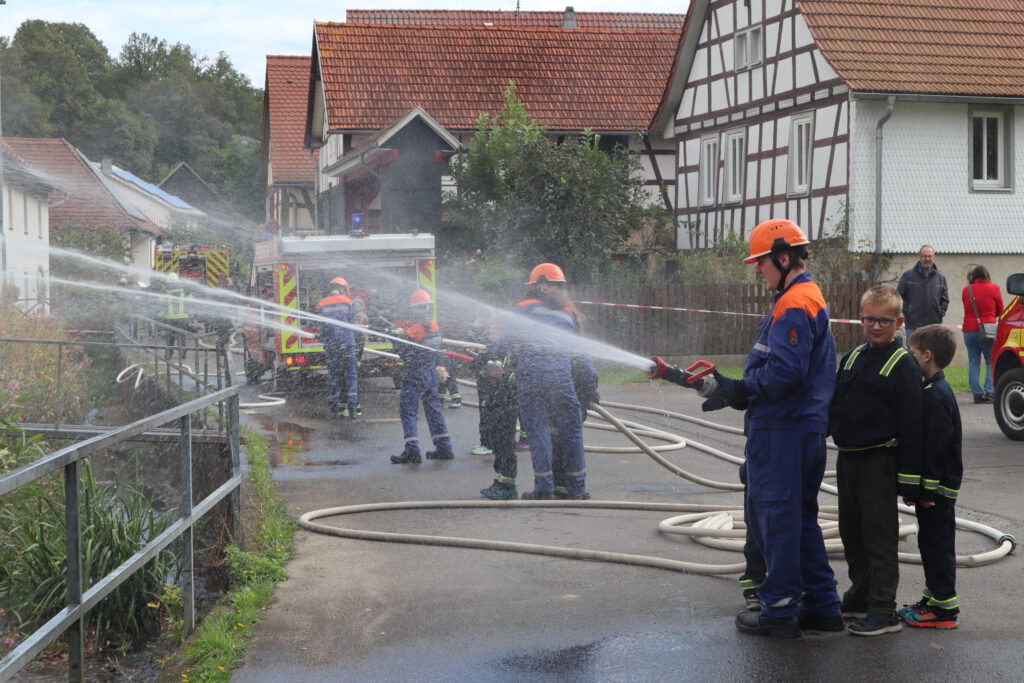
(295, 273)
(1008, 363)
(200, 263)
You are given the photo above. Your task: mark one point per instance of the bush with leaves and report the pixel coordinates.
(116, 522)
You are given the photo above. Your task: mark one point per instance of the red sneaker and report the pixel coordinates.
(931, 618)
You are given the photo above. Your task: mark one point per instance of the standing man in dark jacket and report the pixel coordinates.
(924, 291)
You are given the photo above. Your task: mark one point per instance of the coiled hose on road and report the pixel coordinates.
(718, 526)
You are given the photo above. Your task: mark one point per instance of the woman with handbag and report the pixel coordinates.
(983, 303)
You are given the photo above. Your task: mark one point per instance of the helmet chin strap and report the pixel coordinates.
(783, 271)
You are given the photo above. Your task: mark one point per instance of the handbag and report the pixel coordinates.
(986, 331)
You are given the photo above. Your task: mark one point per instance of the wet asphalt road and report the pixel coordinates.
(363, 611)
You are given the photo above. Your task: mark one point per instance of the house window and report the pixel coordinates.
(708, 182)
(748, 48)
(990, 145)
(735, 163)
(801, 140)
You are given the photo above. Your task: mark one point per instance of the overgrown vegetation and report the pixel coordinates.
(219, 643)
(116, 522)
(525, 198)
(28, 372)
(149, 108)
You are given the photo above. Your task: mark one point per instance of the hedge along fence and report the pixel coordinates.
(686, 333)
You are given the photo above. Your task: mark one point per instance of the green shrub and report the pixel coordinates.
(115, 525)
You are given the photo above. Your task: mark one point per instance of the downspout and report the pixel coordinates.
(890, 101)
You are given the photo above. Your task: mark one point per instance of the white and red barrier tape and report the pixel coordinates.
(705, 310)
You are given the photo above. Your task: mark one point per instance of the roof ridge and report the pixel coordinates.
(470, 27)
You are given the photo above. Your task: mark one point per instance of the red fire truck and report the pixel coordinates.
(1008, 361)
(200, 263)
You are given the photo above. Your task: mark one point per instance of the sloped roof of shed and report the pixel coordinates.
(286, 94)
(569, 79)
(90, 203)
(640, 21)
(930, 47)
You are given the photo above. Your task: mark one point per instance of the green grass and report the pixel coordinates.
(219, 643)
(956, 375)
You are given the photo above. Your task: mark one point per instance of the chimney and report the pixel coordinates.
(107, 165)
(569, 19)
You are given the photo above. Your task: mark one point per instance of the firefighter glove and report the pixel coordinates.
(726, 392)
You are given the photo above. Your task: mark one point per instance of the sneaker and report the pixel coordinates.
(560, 492)
(352, 412)
(500, 491)
(439, 455)
(577, 496)
(853, 611)
(522, 445)
(480, 450)
(932, 618)
(759, 625)
(751, 601)
(983, 399)
(456, 402)
(538, 495)
(406, 458)
(906, 610)
(813, 622)
(876, 625)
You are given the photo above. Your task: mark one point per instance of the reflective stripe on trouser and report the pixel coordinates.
(550, 401)
(936, 539)
(341, 363)
(784, 470)
(421, 385)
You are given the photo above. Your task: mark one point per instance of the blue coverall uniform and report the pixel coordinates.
(546, 397)
(789, 378)
(340, 349)
(419, 382)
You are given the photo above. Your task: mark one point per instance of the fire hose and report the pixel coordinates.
(718, 526)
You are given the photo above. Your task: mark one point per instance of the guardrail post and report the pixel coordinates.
(235, 448)
(187, 552)
(73, 529)
(60, 364)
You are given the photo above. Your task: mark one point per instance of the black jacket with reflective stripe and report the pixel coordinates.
(943, 463)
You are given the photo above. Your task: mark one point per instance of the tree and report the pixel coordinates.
(531, 199)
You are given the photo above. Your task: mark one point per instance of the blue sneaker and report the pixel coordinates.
(500, 491)
(876, 625)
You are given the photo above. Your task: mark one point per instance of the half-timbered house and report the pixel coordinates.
(895, 123)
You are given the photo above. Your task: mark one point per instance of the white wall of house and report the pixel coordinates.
(27, 239)
(142, 244)
(929, 194)
(761, 127)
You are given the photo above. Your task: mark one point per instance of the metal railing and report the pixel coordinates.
(70, 619)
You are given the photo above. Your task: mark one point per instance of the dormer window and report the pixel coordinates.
(748, 48)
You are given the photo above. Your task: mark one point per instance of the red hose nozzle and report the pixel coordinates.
(657, 369)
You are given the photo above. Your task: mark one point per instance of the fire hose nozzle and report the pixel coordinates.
(691, 378)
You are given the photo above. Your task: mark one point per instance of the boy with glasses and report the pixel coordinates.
(875, 420)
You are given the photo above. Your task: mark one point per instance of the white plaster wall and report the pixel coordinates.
(926, 176)
(27, 239)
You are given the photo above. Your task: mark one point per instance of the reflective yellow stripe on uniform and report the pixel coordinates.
(930, 484)
(948, 492)
(893, 360)
(891, 443)
(910, 479)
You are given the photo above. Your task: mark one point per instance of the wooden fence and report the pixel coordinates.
(685, 333)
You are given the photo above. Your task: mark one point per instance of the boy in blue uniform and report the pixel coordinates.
(876, 424)
(934, 346)
(786, 387)
(419, 382)
(340, 349)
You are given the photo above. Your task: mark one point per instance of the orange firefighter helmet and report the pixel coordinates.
(774, 235)
(546, 272)
(420, 297)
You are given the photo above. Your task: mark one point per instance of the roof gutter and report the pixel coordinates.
(889, 104)
(921, 97)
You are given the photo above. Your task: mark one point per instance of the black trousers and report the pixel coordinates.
(936, 539)
(869, 527)
(498, 432)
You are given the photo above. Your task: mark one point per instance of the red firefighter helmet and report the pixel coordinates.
(546, 272)
(774, 235)
(420, 297)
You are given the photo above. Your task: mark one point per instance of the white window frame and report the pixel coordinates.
(707, 185)
(735, 165)
(748, 48)
(1002, 119)
(801, 154)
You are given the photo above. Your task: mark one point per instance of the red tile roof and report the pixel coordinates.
(637, 21)
(569, 79)
(90, 203)
(941, 47)
(286, 93)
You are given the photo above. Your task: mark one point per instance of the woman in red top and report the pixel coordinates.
(989, 301)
